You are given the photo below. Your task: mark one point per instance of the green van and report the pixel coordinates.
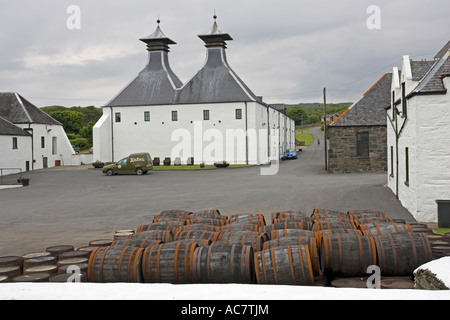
(139, 163)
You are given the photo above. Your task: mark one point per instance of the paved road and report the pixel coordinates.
(74, 205)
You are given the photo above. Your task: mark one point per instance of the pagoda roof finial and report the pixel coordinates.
(157, 39)
(215, 36)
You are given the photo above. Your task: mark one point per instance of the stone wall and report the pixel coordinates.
(342, 156)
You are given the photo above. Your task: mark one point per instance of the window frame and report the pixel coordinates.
(362, 144)
(238, 114)
(146, 116)
(174, 115)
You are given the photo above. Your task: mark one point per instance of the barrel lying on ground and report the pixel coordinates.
(115, 264)
(169, 264)
(401, 253)
(287, 265)
(347, 254)
(224, 263)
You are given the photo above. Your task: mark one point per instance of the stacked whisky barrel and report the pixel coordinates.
(296, 248)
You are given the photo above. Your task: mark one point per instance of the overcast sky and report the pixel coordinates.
(284, 50)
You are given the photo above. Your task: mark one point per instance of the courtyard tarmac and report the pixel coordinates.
(75, 205)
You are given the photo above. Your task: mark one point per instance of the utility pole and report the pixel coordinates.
(325, 126)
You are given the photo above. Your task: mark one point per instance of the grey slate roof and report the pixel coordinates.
(156, 84)
(16, 109)
(370, 109)
(433, 80)
(216, 82)
(10, 129)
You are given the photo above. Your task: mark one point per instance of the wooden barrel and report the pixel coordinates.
(33, 277)
(283, 223)
(207, 213)
(401, 253)
(11, 261)
(347, 254)
(57, 250)
(122, 235)
(369, 214)
(309, 241)
(39, 261)
(154, 226)
(319, 213)
(274, 234)
(100, 243)
(197, 226)
(199, 234)
(46, 268)
(253, 239)
(224, 263)
(287, 265)
(182, 214)
(172, 222)
(75, 254)
(68, 268)
(71, 261)
(397, 283)
(197, 241)
(139, 243)
(4, 279)
(243, 226)
(163, 235)
(332, 224)
(216, 222)
(36, 254)
(257, 218)
(115, 264)
(290, 215)
(169, 264)
(10, 271)
(375, 228)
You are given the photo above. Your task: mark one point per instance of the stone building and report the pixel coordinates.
(358, 137)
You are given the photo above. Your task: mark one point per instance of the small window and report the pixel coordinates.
(362, 145)
(205, 114)
(404, 106)
(118, 117)
(42, 142)
(146, 115)
(407, 166)
(238, 113)
(54, 145)
(14, 143)
(174, 115)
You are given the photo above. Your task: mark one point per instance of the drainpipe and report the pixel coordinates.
(112, 134)
(246, 134)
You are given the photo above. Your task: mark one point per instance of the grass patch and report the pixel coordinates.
(307, 137)
(195, 167)
(441, 231)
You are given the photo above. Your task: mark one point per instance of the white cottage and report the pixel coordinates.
(212, 117)
(38, 142)
(418, 134)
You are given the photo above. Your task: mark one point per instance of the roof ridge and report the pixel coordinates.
(23, 107)
(376, 83)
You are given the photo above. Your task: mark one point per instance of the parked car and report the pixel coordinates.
(139, 163)
(290, 154)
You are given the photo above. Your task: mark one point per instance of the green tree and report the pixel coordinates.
(72, 121)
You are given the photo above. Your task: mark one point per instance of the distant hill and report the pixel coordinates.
(311, 113)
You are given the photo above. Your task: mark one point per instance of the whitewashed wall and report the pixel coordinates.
(222, 137)
(63, 152)
(15, 158)
(426, 134)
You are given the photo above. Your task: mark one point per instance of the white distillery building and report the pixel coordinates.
(213, 117)
(29, 138)
(418, 134)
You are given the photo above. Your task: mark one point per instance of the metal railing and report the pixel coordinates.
(8, 169)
